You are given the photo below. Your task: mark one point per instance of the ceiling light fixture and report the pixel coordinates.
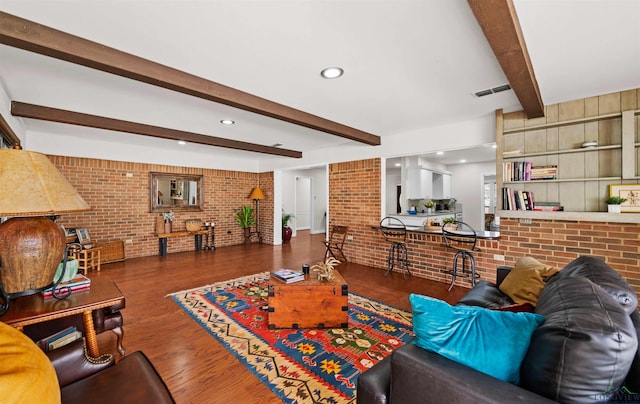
(332, 72)
(440, 153)
(181, 142)
(463, 161)
(227, 122)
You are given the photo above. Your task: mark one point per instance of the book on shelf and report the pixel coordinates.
(288, 275)
(67, 339)
(77, 284)
(525, 171)
(61, 338)
(549, 207)
(517, 200)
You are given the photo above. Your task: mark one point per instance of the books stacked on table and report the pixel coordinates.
(59, 339)
(288, 275)
(78, 283)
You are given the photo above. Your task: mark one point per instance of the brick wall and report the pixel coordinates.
(121, 203)
(353, 201)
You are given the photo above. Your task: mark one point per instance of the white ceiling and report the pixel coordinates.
(408, 64)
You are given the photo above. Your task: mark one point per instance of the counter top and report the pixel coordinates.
(481, 234)
(435, 213)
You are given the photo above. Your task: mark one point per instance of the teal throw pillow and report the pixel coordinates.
(492, 342)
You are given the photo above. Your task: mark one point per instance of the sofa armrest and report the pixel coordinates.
(72, 363)
(421, 376)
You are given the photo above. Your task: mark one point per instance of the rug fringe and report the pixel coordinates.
(242, 278)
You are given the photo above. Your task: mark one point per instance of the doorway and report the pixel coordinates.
(489, 198)
(303, 204)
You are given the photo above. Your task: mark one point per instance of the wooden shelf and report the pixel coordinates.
(571, 216)
(565, 180)
(563, 123)
(566, 151)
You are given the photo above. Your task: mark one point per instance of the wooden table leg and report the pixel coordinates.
(90, 334)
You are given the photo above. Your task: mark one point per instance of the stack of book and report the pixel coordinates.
(59, 339)
(78, 283)
(549, 207)
(288, 275)
(549, 172)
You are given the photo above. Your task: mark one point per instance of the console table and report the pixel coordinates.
(162, 239)
(33, 309)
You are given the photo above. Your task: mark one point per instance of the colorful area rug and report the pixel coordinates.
(300, 366)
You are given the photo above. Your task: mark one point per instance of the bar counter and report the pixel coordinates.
(481, 234)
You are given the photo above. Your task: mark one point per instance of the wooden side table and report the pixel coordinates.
(88, 259)
(35, 309)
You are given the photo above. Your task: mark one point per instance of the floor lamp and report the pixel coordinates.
(31, 244)
(257, 195)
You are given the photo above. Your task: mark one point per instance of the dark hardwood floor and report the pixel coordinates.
(194, 365)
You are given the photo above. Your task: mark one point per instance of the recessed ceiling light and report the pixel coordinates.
(440, 153)
(332, 72)
(227, 122)
(181, 142)
(463, 161)
(398, 165)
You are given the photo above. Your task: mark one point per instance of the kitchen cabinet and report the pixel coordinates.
(441, 185)
(419, 183)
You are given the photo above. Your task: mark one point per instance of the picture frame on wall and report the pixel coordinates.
(83, 236)
(631, 192)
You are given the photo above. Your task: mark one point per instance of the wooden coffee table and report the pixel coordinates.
(309, 303)
(27, 310)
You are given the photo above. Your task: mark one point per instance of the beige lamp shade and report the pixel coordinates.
(33, 186)
(256, 193)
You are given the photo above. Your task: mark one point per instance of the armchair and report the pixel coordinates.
(100, 380)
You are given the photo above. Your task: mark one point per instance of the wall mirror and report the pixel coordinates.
(175, 192)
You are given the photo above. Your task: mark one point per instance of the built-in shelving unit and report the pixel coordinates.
(583, 174)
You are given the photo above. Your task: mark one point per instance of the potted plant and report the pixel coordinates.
(245, 219)
(286, 230)
(452, 220)
(614, 202)
(429, 205)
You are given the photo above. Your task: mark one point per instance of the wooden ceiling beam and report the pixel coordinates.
(93, 121)
(30, 36)
(499, 22)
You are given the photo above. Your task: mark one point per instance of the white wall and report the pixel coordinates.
(467, 183)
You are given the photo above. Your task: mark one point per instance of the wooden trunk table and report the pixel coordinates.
(309, 303)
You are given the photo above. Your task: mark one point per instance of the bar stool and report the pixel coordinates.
(461, 237)
(395, 231)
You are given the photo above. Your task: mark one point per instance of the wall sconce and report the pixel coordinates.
(257, 195)
(31, 244)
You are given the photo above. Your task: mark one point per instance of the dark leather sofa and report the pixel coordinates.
(100, 380)
(414, 375)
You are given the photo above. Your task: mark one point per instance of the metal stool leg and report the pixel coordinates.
(390, 259)
(404, 261)
(454, 270)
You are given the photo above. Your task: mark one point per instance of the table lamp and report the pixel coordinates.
(31, 244)
(257, 195)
